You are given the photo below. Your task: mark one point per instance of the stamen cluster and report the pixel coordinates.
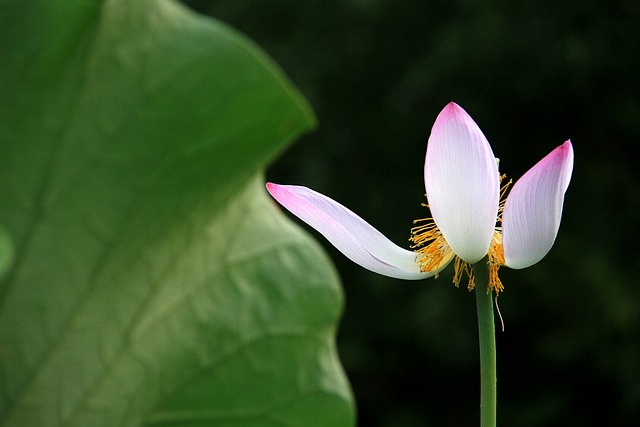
(433, 251)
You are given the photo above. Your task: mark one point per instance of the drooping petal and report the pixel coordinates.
(349, 233)
(462, 183)
(533, 209)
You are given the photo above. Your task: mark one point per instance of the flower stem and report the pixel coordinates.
(486, 332)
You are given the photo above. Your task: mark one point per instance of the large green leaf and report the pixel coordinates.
(146, 277)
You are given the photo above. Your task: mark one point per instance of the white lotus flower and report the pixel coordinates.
(463, 189)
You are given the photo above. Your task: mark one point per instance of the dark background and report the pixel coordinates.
(531, 74)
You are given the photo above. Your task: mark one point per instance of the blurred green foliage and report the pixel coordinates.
(532, 74)
(146, 276)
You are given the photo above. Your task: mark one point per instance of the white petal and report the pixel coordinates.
(349, 233)
(462, 183)
(533, 209)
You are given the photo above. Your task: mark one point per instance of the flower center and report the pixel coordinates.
(429, 244)
(433, 252)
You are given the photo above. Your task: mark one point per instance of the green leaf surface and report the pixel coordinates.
(6, 252)
(147, 279)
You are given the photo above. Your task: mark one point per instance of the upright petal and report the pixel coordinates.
(349, 233)
(462, 183)
(533, 209)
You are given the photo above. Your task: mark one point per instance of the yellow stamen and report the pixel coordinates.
(433, 251)
(430, 246)
(459, 268)
(496, 254)
(503, 199)
(496, 259)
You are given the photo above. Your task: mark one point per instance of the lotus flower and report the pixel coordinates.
(471, 218)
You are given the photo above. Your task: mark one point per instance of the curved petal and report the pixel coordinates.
(532, 211)
(462, 183)
(349, 233)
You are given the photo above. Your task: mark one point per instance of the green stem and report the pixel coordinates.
(487, 335)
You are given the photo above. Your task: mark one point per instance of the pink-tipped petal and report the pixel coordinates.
(462, 183)
(533, 209)
(349, 233)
